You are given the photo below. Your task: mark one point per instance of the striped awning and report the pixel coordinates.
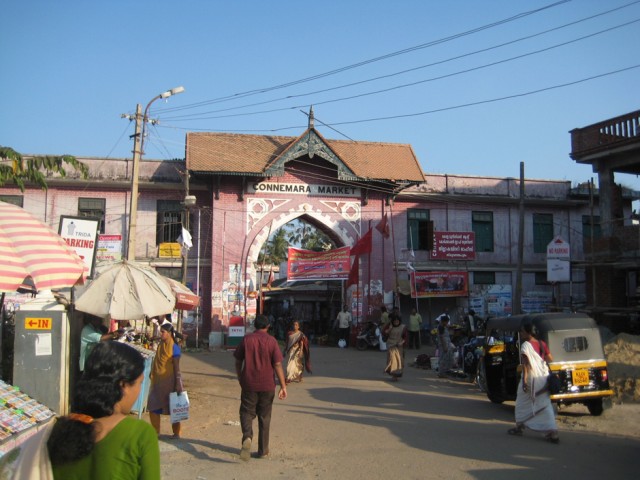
(31, 249)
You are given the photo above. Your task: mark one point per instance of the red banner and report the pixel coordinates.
(309, 265)
(439, 284)
(454, 246)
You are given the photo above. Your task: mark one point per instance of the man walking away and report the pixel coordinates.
(343, 322)
(415, 324)
(258, 357)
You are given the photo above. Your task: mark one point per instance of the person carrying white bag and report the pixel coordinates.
(165, 379)
(178, 407)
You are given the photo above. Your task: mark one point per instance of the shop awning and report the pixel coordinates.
(185, 298)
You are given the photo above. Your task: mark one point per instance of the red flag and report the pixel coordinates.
(383, 226)
(353, 273)
(363, 245)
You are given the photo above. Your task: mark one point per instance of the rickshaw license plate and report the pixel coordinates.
(580, 377)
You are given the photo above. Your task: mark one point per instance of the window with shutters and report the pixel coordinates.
(590, 224)
(94, 208)
(482, 226)
(17, 200)
(419, 229)
(484, 278)
(542, 231)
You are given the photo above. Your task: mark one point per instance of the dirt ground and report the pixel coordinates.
(623, 358)
(346, 416)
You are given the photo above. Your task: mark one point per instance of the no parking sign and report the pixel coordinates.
(558, 261)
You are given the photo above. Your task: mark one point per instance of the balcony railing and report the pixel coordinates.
(613, 133)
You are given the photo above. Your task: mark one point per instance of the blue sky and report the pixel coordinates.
(71, 68)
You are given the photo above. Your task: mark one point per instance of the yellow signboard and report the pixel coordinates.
(31, 323)
(169, 250)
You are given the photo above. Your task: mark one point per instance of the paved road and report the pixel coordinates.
(347, 421)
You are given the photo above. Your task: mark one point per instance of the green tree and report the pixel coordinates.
(14, 168)
(276, 249)
(317, 241)
(307, 236)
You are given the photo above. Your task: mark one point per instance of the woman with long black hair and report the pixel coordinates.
(100, 440)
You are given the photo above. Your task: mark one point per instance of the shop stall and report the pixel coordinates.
(21, 417)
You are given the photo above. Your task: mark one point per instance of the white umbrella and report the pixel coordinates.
(127, 291)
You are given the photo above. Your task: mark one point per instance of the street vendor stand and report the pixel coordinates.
(21, 417)
(140, 404)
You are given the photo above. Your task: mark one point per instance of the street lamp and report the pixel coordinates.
(141, 122)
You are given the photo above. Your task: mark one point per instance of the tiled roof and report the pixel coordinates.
(229, 153)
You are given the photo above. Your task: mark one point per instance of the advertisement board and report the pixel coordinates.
(81, 234)
(454, 246)
(439, 284)
(109, 248)
(309, 265)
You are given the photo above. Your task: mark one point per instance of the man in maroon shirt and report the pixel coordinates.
(258, 357)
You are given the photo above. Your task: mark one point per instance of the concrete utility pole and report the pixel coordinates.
(133, 204)
(138, 146)
(517, 297)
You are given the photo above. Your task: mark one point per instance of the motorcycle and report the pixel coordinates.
(368, 337)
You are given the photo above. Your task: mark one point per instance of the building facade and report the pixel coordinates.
(438, 241)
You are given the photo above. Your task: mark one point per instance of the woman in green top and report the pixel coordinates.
(100, 440)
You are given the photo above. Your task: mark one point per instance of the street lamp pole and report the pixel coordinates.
(138, 146)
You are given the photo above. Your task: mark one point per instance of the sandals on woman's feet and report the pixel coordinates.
(552, 437)
(515, 431)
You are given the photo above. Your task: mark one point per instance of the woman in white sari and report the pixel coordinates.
(297, 354)
(533, 405)
(396, 334)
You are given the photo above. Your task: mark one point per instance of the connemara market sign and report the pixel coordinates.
(304, 189)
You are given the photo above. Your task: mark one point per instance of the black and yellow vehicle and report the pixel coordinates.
(578, 358)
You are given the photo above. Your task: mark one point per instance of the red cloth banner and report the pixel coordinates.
(309, 265)
(363, 245)
(353, 273)
(383, 226)
(439, 284)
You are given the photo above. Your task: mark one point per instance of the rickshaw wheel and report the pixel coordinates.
(481, 380)
(595, 407)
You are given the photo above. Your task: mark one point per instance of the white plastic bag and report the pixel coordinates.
(179, 406)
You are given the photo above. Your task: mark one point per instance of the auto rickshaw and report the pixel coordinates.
(578, 358)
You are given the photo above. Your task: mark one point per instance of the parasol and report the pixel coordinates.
(30, 248)
(127, 291)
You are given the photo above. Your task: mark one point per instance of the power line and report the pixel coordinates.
(381, 77)
(419, 82)
(381, 57)
(443, 109)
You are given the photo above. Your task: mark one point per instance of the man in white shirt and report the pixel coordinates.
(343, 322)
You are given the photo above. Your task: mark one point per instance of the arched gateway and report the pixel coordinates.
(251, 185)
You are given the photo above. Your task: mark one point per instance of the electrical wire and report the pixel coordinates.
(443, 109)
(468, 54)
(381, 57)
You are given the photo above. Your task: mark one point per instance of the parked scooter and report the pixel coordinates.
(368, 337)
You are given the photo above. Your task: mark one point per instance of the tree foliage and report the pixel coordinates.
(307, 237)
(16, 169)
(298, 234)
(276, 249)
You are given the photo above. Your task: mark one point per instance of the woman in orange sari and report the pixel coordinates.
(297, 354)
(165, 378)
